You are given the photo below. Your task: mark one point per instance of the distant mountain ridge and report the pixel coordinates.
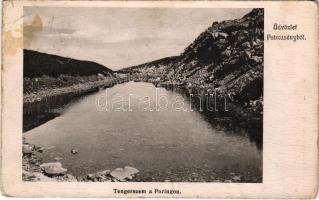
(37, 64)
(156, 64)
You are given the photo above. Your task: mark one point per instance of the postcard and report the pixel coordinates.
(166, 99)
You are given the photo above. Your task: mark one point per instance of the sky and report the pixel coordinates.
(118, 37)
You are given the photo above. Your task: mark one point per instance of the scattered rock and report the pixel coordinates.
(224, 35)
(99, 176)
(68, 178)
(40, 149)
(27, 149)
(41, 177)
(27, 175)
(53, 168)
(74, 151)
(257, 59)
(123, 174)
(215, 35)
(90, 176)
(246, 44)
(236, 178)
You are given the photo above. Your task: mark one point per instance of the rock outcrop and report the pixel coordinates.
(227, 58)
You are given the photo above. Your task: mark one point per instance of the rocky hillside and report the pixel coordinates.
(227, 57)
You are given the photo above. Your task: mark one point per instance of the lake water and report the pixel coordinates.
(139, 125)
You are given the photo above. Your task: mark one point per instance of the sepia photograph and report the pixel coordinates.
(114, 94)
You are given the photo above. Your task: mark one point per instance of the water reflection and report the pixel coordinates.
(219, 113)
(168, 143)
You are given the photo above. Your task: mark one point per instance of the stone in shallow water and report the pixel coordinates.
(74, 151)
(58, 158)
(53, 168)
(123, 174)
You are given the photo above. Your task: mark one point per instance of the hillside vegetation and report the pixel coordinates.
(44, 71)
(37, 64)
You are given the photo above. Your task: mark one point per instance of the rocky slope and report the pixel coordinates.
(226, 58)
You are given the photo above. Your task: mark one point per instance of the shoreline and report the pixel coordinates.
(32, 170)
(242, 113)
(42, 106)
(32, 164)
(37, 99)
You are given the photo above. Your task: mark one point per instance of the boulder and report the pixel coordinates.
(74, 151)
(246, 44)
(54, 168)
(125, 173)
(215, 35)
(224, 35)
